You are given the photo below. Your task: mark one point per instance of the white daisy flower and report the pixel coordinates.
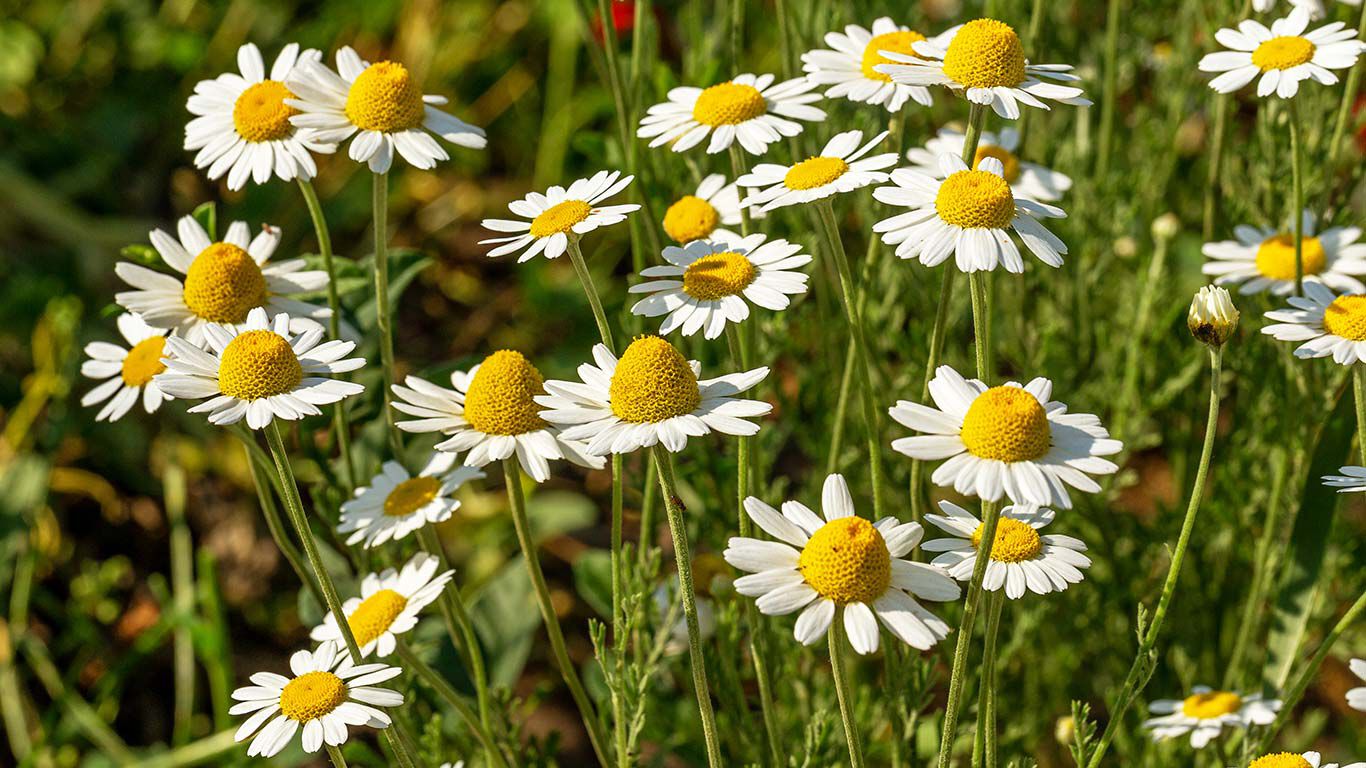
(985, 60)
(381, 106)
(388, 606)
(258, 370)
(1316, 8)
(395, 503)
(650, 395)
(1356, 697)
(1010, 440)
(705, 214)
(749, 109)
(126, 374)
(559, 214)
(848, 67)
(327, 693)
(705, 284)
(456, 764)
(968, 214)
(1263, 259)
(222, 283)
(1021, 558)
(1352, 479)
(1327, 324)
(843, 561)
(241, 126)
(1296, 760)
(1025, 179)
(1206, 712)
(836, 170)
(1283, 55)
(491, 412)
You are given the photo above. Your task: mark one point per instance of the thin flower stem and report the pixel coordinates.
(1349, 97)
(383, 317)
(989, 665)
(785, 41)
(182, 590)
(1107, 106)
(832, 455)
(1137, 333)
(434, 680)
(737, 169)
(594, 301)
(335, 755)
(271, 513)
(842, 692)
(620, 728)
(1296, 194)
(1265, 565)
(1359, 392)
(1216, 164)
(981, 319)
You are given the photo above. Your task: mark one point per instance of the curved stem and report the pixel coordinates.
(842, 692)
(594, 302)
(383, 318)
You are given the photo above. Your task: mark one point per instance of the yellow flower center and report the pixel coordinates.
(847, 561)
(975, 200)
(1007, 424)
(223, 284)
(985, 53)
(814, 172)
(1281, 760)
(384, 98)
(258, 364)
(261, 114)
(897, 42)
(1207, 706)
(718, 275)
(375, 614)
(1276, 257)
(499, 400)
(653, 382)
(312, 695)
(1282, 53)
(1014, 542)
(1009, 160)
(1346, 317)
(689, 219)
(143, 361)
(560, 218)
(411, 495)
(728, 104)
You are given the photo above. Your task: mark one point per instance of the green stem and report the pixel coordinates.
(84, 716)
(620, 728)
(182, 589)
(1349, 96)
(383, 317)
(785, 42)
(1216, 163)
(842, 692)
(1359, 391)
(271, 513)
(832, 455)
(1297, 195)
(335, 755)
(1107, 106)
(433, 679)
(594, 301)
(989, 663)
(1264, 566)
(977, 285)
(737, 169)
(1137, 333)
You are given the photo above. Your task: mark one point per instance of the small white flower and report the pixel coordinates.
(705, 214)
(749, 109)
(388, 606)
(1263, 259)
(1296, 760)
(1206, 712)
(1027, 180)
(1021, 558)
(1315, 7)
(839, 168)
(395, 504)
(1283, 55)
(1352, 479)
(1327, 324)
(849, 66)
(1212, 318)
(558, 215)
(126, 374)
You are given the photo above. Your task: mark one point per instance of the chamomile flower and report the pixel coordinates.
(1356, 697)
(1296, 760)
(242, 124)
(1206, 712)
(1352, 479)
(1263, 259)
(707, 284)
(1326, 323)
(223, 281)
(968, 214)
(1010, 440)
(381, 106)
(558, 215)
(840, 167)
(749, 109)
(1021, 558)
(705, 214)
(1315, 7)
(395, 503)
(651, 394)
(456, 764)
(327, 693)
(1028, 180)
(1283, 55)
(388, 606)
(843, 561)
(258, 370)
(492, 413)
(848, 66)
(127, 374)
(985, 60)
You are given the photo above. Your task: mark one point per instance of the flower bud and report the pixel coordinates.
(1166, 226)
(1212, 318)
(1065, 730)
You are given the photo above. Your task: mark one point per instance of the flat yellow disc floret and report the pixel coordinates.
(897, 42)
(143, 361)
(718, 275)
(653, 382)
(847, 561)
(1346, 318)
(223, 284)
(1007, 424)
(258, 364)
(975, 200)
(1282, 53)
(985, 53)
(499, 400)
(1008, 160)
(815, 172)
(1276, 257)
(312, 695)
(375, 615)
(689, 219)
(728, 104)
(560, 218)
(1207, 706)
(1015, 541)
(1281, 760)
(261, 114)
(411, 495)
(384, 98)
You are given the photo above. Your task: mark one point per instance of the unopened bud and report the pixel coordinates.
(1212, 318)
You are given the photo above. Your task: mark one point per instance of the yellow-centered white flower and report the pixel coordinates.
(1206, 712)
(1327, 324)
(559, 214)
(840, 167)
(1022, 559)
(1027, 180)
(848, 66)
(749, 109)
(396, 503)
(1296, 760)
(1284, 55)
(388, 606)
(706, 214)
(126, 374)
(1263, 259)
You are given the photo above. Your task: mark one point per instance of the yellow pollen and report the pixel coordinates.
(261, 114)
(653, 382)
(1282, 53)
(985, 53)
(1009, 160)
(1281, 760)
(728, 104)
(847, 561)
(312, 695)
(375, 615)
(223, 284)
(975, 200)
(143, 361)
(1207, 706)
(1276, 257)
(689, 219)
(499, 400)
(411, 495)
(897, 42)
(1346, 317)
(258, 364)
(384, 98)
(814, 172)
(1015, 541)
(1007, 424)
(718, 275)
(560, 218)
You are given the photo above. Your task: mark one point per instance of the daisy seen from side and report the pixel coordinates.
(1206, 712)
(389, 605)
(1022, 559)
(840, 167)
(849, 65)
(1328, 324)
(1027, 180)
(396, 503)
(126, 375)
(1283, 55)
(707, 213)
(558, 214)
(1263, 259)
(749, 109)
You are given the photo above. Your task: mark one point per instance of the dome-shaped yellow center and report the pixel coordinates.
(897, 42)
(1281, 760)
(1008, 160)
(1014, 542)
(689, 219)
(814, 172)
(653, 382)
(411, 495)
(384, 98)
(261, 114)
(499, 400)
(1212, 704)
(718, 275)
(1006, 424)
(1282, 53)
(375, 615)
(1276, 257)
(728, 104)
(312, 695)
(1346, 317)
(223, 284)
(560, 218)
(985, 53)
(975, 200)
(847, 561)
(143, 361)
(258, 364)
